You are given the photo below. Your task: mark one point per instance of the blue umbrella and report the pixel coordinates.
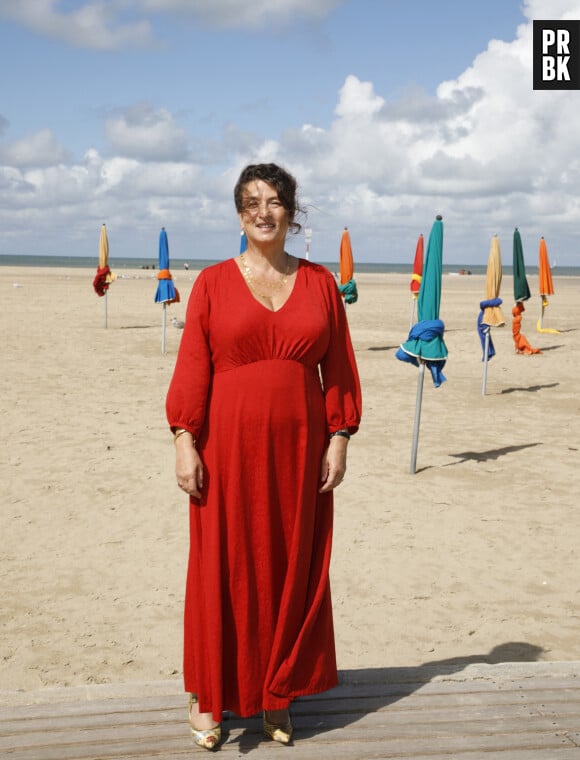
(425, 345)
(166, 290)
(243, 241)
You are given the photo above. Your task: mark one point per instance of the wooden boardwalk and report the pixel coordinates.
(509, 711)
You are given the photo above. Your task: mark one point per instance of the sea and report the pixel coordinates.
(120, 263)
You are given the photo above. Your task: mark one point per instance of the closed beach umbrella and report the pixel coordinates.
(520, 340)
(425, 345)
(546, 286)
(521, 294)
(416, 276)
(521, 287)
(104, 276)
(347, 284)
(166, 293)
(243, 241)
(490, 314)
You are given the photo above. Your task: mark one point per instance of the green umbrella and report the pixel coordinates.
(425, 342)
(521, 294)
(521, 287)
(425, 345)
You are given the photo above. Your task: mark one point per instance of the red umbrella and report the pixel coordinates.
(417, 276)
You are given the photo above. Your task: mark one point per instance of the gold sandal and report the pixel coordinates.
(210, 737)
(281, 734)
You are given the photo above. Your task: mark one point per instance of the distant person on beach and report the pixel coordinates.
(264, 398)
(185, 265)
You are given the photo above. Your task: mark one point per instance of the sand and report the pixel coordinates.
(472, 558)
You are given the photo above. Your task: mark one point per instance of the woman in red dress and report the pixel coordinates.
(263, 400)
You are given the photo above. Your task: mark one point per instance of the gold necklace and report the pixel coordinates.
(275, 287)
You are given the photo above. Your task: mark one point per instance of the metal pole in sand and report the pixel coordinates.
(420, 381)
(485, 354)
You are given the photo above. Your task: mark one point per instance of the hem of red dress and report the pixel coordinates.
(275, 702)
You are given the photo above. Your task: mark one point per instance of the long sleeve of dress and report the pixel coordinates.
(188, 391)
(342, 390)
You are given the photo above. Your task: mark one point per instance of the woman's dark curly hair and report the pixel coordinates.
(281, 180)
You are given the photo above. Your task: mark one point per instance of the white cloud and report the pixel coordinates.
(145, 133)
(102, 25)
(244, 13)
(486, 151)
(39, 149)
(93, 25)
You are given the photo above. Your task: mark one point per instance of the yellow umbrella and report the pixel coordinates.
(490, 314)
(546, 286)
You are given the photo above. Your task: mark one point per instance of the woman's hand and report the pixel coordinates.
(188, 466)
(333, 463)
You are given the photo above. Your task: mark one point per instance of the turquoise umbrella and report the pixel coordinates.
(425, 345)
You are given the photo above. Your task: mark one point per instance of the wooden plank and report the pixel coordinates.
(134, 736)
(512, 716)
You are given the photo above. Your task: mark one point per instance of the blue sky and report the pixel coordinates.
(140, 113)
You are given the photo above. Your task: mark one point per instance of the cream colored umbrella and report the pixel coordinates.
(490, 309)
(104, 276)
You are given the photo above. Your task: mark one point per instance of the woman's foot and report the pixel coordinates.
(277, 725)
(205, 732)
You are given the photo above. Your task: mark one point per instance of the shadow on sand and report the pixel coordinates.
(530, 388)
(490, 454)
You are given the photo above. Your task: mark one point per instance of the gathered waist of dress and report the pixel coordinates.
(233, 366)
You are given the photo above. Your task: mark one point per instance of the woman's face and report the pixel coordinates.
(263, 217)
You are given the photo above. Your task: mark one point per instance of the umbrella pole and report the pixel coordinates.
(163, 328)
(420, 380)
(412, 312)
(485, 356)
(105, 308)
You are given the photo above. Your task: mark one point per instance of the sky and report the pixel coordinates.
(142, 113)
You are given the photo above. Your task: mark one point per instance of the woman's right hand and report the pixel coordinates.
(188, 466)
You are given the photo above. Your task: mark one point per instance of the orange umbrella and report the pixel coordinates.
(417, 275)
(347, 283)
(546, 285)
(522, 345)
(346, 261)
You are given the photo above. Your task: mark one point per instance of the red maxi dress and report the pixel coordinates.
(261, 391)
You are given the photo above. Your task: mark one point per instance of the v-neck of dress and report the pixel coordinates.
(252, 295)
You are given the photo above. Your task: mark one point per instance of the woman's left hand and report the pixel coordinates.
(333, 464)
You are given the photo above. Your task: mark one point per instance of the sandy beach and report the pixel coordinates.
(472, 558)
